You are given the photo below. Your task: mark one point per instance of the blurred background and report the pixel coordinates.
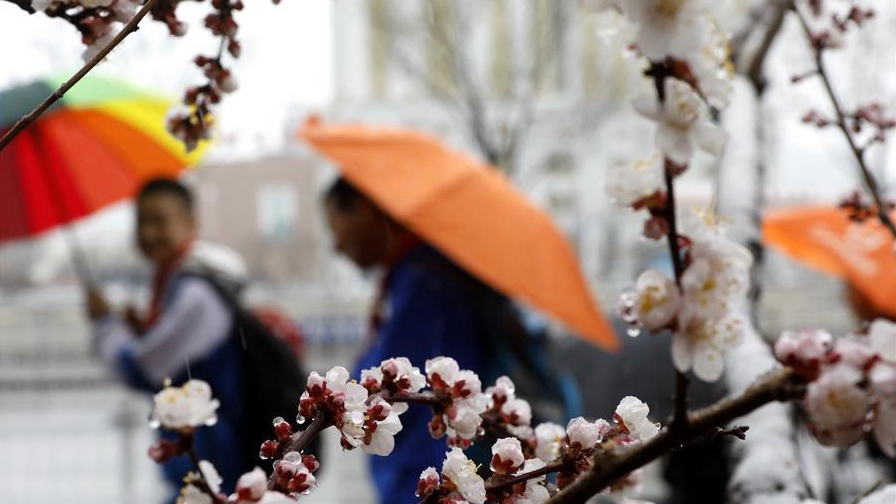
(540, 88)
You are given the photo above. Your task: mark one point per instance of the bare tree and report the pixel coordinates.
(500, 101)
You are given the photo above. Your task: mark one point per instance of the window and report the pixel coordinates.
(277, 210)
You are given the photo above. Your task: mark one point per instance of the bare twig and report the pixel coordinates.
(840, 120)
(754, 69)
(22, 123)
(780, 385)
(660, 72)
(498, 486)
(203, 482)
(301, 439)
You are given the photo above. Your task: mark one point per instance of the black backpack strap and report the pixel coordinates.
(273, 378)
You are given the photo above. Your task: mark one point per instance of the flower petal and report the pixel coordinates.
(647, 105)
(675, 143)
(708, 364)
(710, 137)
(681, 352)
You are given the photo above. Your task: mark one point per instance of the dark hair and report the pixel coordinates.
(343, 195)
(163, 185)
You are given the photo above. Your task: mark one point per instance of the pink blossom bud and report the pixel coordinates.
(269, 449)
(507, 456)
(164, 450)
(583, 433)
(252, 485)
(837, 406)
(428, 483)
(804, 351)
(311, 462)
(282, 429)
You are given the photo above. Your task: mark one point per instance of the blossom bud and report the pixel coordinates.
(252, 485)
(164, 450)
(804, 351)
(269, 449)
(583, 433)
(507, 455)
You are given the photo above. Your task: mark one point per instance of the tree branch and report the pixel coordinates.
(857, 152)
(497, 486)
(779, 385)
(660, 72)
(301, 439)
(22, 123)
(754, 69)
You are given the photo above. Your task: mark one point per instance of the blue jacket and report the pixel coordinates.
(429, 313)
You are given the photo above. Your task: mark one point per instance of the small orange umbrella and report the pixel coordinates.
(470, 212)
(826, 239)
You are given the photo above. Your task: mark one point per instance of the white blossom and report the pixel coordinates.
(507, 453)
(462, 473)
(627, 184)
(666, 27)
(657, 300)
(535, 492)
(882, 383)
(402, 369)
(337, 378)
(701, 343)
(191, 494)
(804, 350)
(585, 433)
(382, 441)
(445, 368)
(882, 334)
(713, 67)
(682, 121)
(124, 10)
(252, 485)
(471, 383)
(837, 406)
(184, 407)
(519, 410)
(502, 389)
(464, 416)
(632, 412)
(549, 438)
(210, 475)
(277, 498)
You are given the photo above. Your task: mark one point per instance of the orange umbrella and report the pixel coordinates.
(826, 239)
(470, 212)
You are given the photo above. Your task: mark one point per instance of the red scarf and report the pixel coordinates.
(160, 282)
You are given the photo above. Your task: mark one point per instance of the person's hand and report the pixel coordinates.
(133, 319)
(97, 306)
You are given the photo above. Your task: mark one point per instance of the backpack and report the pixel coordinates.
(524, 354)
(273, 379)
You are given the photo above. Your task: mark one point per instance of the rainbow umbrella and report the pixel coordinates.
(94, 147)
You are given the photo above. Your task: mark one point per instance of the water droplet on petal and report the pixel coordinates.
(300, 419)
(633, 331)
(277, 421)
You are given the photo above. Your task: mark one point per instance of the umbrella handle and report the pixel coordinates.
(79, 259)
